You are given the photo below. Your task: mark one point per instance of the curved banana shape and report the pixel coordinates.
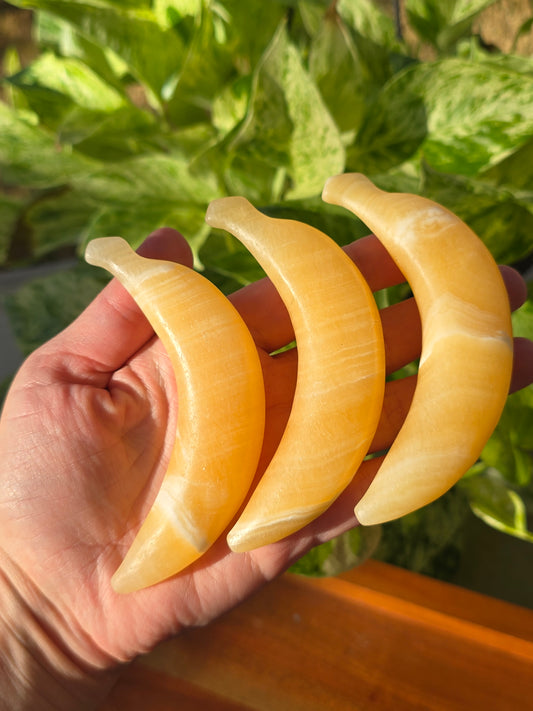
(341, 371)
(466, 361)
(220, 416)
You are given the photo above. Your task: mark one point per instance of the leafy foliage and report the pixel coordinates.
(339, 554)
(136, 114)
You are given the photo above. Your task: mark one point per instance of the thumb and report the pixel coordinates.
(112, 328)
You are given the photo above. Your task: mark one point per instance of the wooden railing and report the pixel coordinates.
(377, 638)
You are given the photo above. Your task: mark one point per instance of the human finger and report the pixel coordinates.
(402, 329)
(515, 285)
(399, 394)
(522, 375)
(340, 517)
(265, 313)
(396, 403)
(374, 262)
(336, 520)
(402, 334)
(112, 328)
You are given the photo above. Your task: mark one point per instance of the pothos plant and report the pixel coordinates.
(136, 114)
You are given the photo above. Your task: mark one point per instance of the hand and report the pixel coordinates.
(85, 435)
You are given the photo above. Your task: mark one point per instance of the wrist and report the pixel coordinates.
(38, 668)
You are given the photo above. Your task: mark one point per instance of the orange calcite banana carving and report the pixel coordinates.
(466, 361)
(341, 371)
(220, 415)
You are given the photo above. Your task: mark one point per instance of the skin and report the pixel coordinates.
(85, 436)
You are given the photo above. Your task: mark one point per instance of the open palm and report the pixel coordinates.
(85, 436)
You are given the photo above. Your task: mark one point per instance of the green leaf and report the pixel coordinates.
(311, 564)
(340, 554)
(132, 4)
(366, 18)
(333, 54)
(76, 103)
(230, 105)
(11, 209)
(227, 263)
(288, 124)
(31, 157)
(49, 106)
(392, 129)
(442, 24)
(523, 317)
(477, 114)
(510, 448)
(312, 14)
(43, 307)
(405, 178)
(69, 79)
(170, 12)
(349, 65)
(125, 133)
(523, 30)
(341, 226)
(64, 40)
(248, 33)
(428, 540)
(131, 32)
(252, 177)
(501, 217)
(135, 223)
(515, 171)
(497, 504)
(57, 221)
(131, 197)
(206, 67)
(519, 64)
(461, 117)
(148, 180)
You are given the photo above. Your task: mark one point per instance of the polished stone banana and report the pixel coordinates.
(467, 351)
(221, 410)
(340, 378)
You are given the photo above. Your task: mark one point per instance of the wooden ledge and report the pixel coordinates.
(377, 638)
